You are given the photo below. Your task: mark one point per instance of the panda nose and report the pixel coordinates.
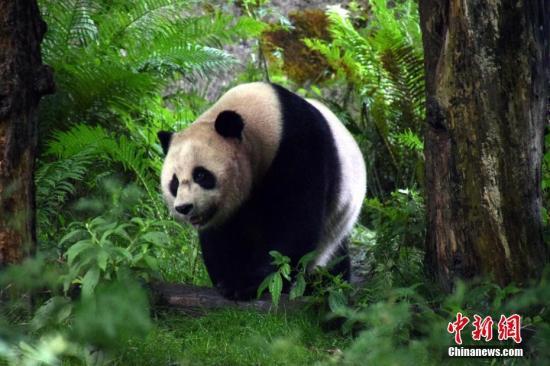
(184, 209)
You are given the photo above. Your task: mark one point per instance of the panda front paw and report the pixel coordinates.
(237, 293)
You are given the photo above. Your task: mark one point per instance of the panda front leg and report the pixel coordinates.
(236, 254)
(236, 265)
(243, 290)
(240, 280)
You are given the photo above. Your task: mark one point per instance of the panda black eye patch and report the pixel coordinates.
(174, 184)
(204, 178)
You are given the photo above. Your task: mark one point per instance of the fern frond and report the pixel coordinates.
(383, 65)
(140, 20)
(94, 88)
(405, 68)
(117, 56)
(186, 59)
(103, 146)
(66, 144)
(97, 141)
(213, 30)
(70, 24)
(55, 184)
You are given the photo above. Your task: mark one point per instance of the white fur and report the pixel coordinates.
(353, 187)
(258, 105)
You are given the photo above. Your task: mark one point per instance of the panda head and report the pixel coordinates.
(206, 175)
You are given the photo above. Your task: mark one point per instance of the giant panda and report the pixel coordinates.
(264, 169)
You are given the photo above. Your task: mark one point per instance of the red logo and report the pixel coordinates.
(457, 326)
(484, 328)
(508, 328)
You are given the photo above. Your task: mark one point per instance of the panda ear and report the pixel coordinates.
(229, 124)
(165, 137)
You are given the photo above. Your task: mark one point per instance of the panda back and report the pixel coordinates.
(352, 187)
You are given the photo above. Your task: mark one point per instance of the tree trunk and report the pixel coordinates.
(486, 68)
(23, 80)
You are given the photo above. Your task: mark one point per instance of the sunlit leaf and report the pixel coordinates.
(89, 282)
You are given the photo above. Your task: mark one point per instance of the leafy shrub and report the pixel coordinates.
(100, 248)
(392, 248)
(62, 327)
(119, 320)
(403, 326)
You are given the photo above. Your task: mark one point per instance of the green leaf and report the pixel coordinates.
(65, 311)
(250, 27)
(278, 258)
(285, 271)
(78, 248)
(83, 263)
(71, 235)
(69, 278)
(336, 301)
(102, 258)
(158, 238)
(299, 287)
(89, 282)
(121, 252)
(263, 286)
(120, 231)
(151, 262)
(276, 288)
(103, 240)
(137, 258)
(56, 307)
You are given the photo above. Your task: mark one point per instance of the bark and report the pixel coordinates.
(194, 300)
(486, 68)
(23, 80)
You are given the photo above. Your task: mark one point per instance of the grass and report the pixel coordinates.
(234, 337)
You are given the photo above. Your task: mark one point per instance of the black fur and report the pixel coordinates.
(229, 124)
(204, 178)
(165, 137)
(286, 211)
(174, 185)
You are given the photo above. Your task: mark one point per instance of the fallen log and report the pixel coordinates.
(194, 299)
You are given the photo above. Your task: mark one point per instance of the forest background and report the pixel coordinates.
(124, 70)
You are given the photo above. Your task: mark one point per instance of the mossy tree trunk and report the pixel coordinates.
(486, 68)
(23, 80)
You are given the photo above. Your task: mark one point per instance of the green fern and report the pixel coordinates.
(410, 140)
(103, 146)
(383, 64)
(187, 59)
(70, 24)
(112, 56)
(55, 184)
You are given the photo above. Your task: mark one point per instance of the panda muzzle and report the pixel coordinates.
(196, 220)
(200, 220)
